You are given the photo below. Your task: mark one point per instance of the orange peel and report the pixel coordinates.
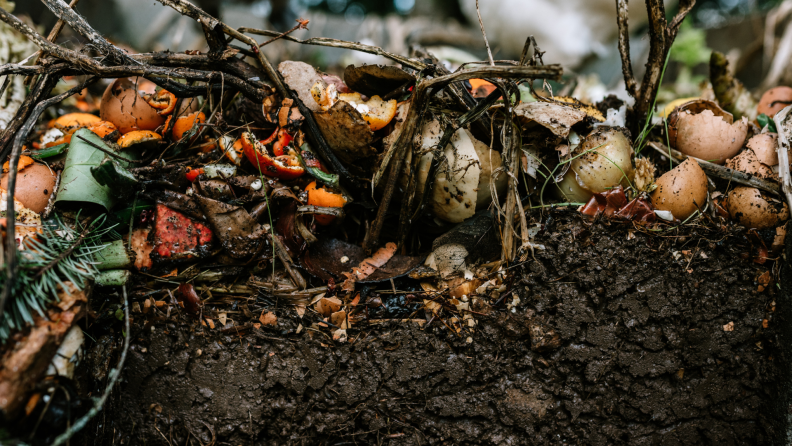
(324, 198)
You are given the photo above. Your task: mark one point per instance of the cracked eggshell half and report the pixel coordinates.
(682, 190)
(462, 183)
(747, 206)
(702, 129)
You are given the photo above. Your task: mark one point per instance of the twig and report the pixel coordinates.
(484, 33)
(51, 37)
(661, 38)
(301, 24)
(624, 47)
(78, 23)
(335, 43)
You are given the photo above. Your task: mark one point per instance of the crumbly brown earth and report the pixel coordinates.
(632, 350)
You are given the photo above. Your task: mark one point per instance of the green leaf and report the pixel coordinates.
(766, 121)
(77, 183)
(119, 314)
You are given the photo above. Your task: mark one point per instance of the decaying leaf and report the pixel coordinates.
(375, 79)
(300, 77)
(369, 266)
(557, 118)
(347, 133)
(239, 234)
(268, 318)
(327, 306)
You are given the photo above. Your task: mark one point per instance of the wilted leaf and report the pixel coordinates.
(376, 79)
(240, 235)
(268, 318)
(347, 133)
(557, 118)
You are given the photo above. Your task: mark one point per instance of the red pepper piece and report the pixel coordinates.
(178, 237)
(283, 140)
(192, 174)
(285, 167)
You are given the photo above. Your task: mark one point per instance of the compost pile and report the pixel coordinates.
(231, 197)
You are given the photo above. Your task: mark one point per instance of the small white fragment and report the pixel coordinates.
(344, 259)
(256, 185)
(665, 215)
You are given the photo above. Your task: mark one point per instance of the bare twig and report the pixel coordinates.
(51, 37)
(301, 24)
(335, 43)
(624, 47)
(78, 23)
(484, 33)
(661, 38)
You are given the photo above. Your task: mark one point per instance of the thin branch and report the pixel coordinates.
(301, 24)
(335, 43)
(624, 47)
(51, 37)
(484, 33)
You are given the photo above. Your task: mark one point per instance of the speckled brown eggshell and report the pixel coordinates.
(681, 190)
(747, 161)
(774, 100)
(764, 146)
(34, 185)
(709, 137)
(123, 105)
(747, 206)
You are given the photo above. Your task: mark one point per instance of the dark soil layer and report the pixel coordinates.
(629, 347)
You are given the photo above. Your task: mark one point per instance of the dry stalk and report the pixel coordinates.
(661, 37)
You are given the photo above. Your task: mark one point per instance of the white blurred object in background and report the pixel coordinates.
(568, 30)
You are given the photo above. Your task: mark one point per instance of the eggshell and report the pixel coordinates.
(747, 206)
(34, 185)
(781, 96)
(764, 146)
(707, 136)
(604, 160)
(569, 190)
(746, 161)
(682, 190)
(127, 109)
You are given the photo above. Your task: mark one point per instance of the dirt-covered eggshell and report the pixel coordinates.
(707, 136)
(124, 106)
(34, 185)
(748, 207)
(764, 146)
(774, 100)
(747, 161)
(682, 190)
(604, 160)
